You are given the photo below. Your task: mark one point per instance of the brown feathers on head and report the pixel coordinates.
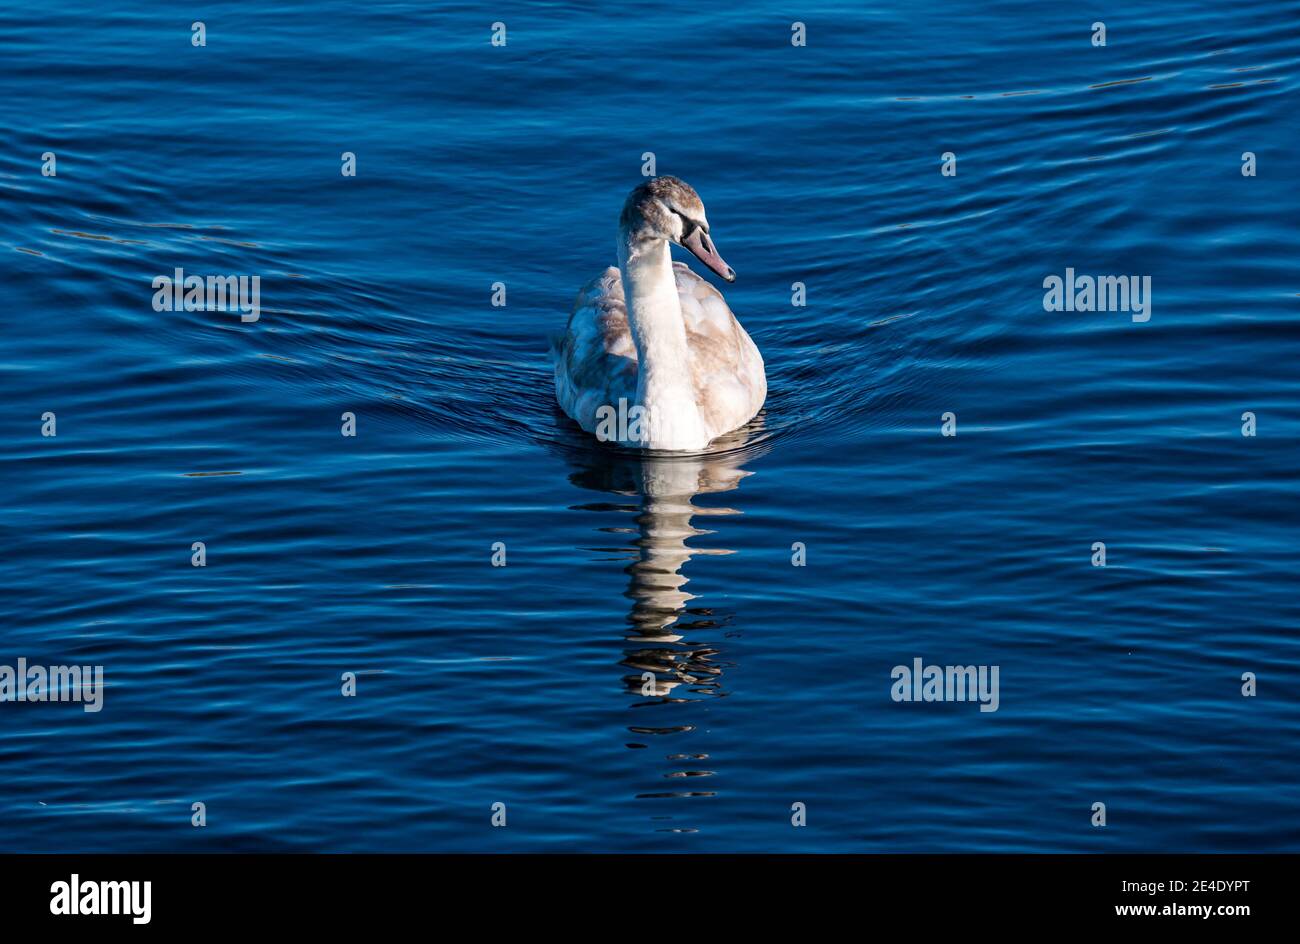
(662, 208)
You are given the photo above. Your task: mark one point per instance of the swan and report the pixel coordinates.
(652, 357)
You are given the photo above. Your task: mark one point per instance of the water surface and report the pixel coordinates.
(523, 684)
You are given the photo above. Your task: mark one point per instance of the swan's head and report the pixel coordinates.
(669, 208)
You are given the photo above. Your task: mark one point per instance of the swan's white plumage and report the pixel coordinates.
(596, 360)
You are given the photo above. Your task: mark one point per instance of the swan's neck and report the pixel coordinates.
(664, 385)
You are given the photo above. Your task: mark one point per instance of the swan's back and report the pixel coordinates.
(596, 359)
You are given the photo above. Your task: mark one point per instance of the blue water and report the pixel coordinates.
(521, 684)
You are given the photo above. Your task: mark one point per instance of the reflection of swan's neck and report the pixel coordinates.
(654, 313)
(656, 586)
(668, 487)
(657, 578)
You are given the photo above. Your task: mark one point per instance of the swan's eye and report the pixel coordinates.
(689, 225)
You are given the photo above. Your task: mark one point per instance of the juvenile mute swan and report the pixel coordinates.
(652, 356)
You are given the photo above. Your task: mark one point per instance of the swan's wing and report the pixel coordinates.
(595, 359)
(726, 367)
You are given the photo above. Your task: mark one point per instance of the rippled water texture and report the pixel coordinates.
(522, 684)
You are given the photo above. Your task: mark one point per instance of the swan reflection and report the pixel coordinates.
(674, 652)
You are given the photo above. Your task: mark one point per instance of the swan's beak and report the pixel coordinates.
(699, 243)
